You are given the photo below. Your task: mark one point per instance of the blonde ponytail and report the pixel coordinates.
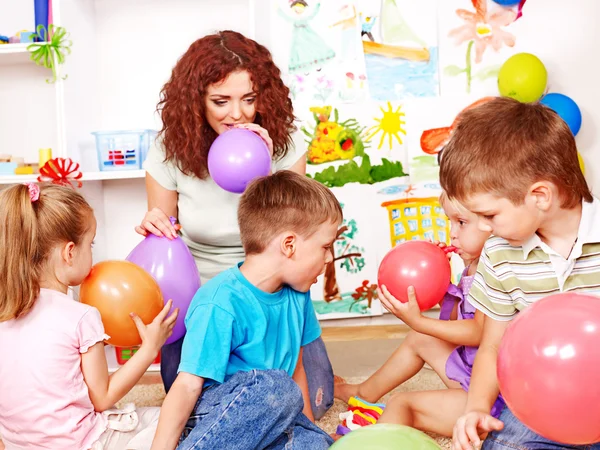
(30, 228)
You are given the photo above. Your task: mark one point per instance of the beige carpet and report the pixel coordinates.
(153, 395)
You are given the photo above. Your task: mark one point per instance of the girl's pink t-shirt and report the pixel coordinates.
(44, 401)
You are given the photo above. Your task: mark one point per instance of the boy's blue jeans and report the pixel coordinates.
(316, 364)
(256, 410)
(516, 436)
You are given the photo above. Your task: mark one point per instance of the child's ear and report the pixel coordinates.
(288, 245)
(68, 253)
(544, 193)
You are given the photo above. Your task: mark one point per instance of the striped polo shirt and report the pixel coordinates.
(509, 279)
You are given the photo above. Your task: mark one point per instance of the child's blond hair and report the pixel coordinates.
(284, 201)
(503, 147)
(30, 229)
(454, 202)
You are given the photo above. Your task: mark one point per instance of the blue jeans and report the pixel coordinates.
(516, 436)
(260, 409)
(316, 364)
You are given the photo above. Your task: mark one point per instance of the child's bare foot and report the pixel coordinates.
(335, 436)
(342, 390)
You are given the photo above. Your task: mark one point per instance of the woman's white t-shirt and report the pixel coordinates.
(206, 212)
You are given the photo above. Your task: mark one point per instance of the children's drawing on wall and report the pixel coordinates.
(332, 139)
(399, 40)
(309, 51)
(390, 125)
(430, 126)
(337, 145)
(319, 45)
(347, 288)
(479, 41)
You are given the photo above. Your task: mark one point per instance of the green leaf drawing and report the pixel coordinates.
(453, 70)
(487, 72)
(351, 172)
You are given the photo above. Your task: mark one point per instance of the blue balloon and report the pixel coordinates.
(507, 2)
(566, 108)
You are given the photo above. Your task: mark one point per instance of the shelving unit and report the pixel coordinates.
(87, 176)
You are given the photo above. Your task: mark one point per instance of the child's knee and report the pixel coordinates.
(280, 391)
(398, 402)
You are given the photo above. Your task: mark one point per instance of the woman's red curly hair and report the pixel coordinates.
(186, 135)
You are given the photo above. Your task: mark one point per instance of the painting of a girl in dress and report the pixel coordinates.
(309, 51)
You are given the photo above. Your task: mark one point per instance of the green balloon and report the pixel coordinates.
(385, 436)
(523, 77)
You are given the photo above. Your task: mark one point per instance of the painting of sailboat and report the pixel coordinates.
(400, 45)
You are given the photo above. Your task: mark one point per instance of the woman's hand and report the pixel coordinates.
(158, 223)
(264, 134)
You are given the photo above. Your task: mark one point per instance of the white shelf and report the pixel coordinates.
(87, 176)
(15, 54)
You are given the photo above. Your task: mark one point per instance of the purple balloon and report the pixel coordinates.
(174, 269)
(236, 157)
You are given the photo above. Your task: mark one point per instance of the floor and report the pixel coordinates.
(355, 353)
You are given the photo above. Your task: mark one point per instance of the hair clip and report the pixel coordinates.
(34, 192)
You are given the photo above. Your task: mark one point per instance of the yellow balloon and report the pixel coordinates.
(581, 163)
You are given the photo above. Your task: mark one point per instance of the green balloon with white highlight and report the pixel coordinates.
(385, 437)
(523, 77)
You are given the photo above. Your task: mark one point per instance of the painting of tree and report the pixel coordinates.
(347, 256)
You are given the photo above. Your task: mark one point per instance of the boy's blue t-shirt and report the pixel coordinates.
(233, 326)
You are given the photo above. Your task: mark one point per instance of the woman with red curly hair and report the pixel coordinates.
(224, 80)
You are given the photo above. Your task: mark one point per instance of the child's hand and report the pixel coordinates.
(468, 428)
(408, 312)
(448, 250)
(155, 334)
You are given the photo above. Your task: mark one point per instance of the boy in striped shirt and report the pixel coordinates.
(515, 165)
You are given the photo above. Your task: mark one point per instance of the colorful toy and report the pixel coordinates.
(116, 289)
(420, 264)
(386, 437)
(236, 157)
(566, 108)
(549, 367)
(61, 171)
(12, 165)
(523, 77)
(174, 269)
(125, 354)
(360, 413)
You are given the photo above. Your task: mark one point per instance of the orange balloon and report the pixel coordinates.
(117, 288)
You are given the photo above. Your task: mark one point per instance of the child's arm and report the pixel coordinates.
(107, 390)
(2, 445)
(483, 390)
(300, 378)
(176, 410)
(458, 332)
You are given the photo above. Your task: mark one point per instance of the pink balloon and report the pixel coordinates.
(236, 157)
(420, 264)
(549, 368)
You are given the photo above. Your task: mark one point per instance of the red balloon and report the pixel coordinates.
(549, 368)
(420, 264)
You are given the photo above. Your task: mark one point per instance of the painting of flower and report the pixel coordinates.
(481, 29)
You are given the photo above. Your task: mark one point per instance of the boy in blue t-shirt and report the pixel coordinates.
(241, 381)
